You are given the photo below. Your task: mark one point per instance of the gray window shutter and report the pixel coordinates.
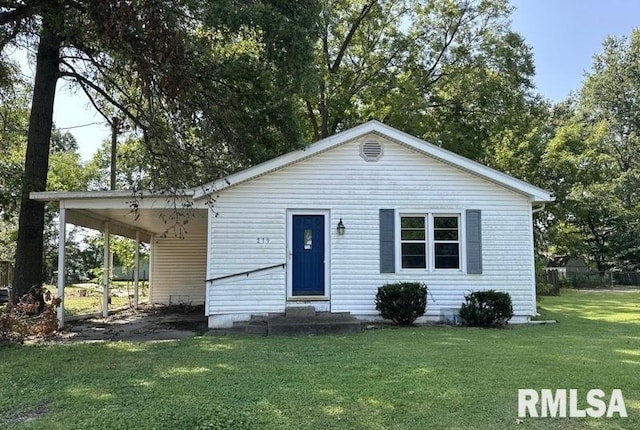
(474, 241)
(387, 241)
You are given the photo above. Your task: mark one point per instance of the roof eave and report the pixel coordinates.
(56, 196)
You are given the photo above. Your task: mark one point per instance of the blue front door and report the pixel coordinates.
(308, 255)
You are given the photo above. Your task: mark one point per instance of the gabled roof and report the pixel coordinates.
(534, 193)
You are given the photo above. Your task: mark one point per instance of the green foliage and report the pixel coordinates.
(546, 289)
(165, 66)
(14, 115)
(452, 72)
(591, 163)
(226, 102)
(86, 254)
(591, 280)
(66, 171)
(547, 284)
(132, 165)
(402, 302)
(486, 309)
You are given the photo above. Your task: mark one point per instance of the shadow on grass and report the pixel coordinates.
(434, 377)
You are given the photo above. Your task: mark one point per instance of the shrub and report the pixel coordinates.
(402, 302)
(486, 309)
(546, 289)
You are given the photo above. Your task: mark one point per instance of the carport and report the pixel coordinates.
(158, 220)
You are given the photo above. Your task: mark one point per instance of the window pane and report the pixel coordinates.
(412, 234)
(308, 239)
(447, 256)
(445, 222)
(412, 228)
(445, 234)
(412, 222)
(445, 228)
(447, 263)
(413, 249)
(414, 256)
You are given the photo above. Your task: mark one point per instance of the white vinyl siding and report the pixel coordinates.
(355, 190)
(178, 265)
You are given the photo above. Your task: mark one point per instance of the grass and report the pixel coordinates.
(422, 378)
(87, 299)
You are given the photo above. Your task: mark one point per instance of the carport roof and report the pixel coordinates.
(126, 212)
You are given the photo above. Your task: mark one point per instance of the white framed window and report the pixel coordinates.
(446, 241)
(413, 242)
(430, 241)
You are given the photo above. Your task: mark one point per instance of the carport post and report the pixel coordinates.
(106, 265)
(62, 238)
(136, 273)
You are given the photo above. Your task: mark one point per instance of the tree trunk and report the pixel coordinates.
(29, 255)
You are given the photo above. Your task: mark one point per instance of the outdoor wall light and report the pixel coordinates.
(341, 228)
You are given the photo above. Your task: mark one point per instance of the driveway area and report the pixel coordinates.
(148, 323)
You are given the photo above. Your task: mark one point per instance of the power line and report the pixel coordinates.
(80, 126)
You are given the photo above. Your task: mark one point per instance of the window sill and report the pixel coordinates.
(308, 299)
(432, 271)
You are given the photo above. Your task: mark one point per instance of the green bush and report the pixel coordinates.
(486, 309)
(591, 280)
(546, 289)
(402, 302)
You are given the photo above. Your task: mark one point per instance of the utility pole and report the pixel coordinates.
(115, 129)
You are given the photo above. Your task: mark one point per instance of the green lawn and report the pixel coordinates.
(87, 299)
(422, 378)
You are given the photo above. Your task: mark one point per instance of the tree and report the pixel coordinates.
(592, 162)
(66, 173)
(155, 62)
(14, 114)
(450, 71)
(132, 165)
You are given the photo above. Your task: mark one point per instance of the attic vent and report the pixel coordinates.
(371, 151)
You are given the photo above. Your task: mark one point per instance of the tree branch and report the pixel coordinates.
(20, 12)
(84, 83)
(366, 9)
(312, 120)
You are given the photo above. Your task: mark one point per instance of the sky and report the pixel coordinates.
(564, 36)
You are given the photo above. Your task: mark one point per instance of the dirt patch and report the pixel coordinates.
(39, 411)
(147, 323)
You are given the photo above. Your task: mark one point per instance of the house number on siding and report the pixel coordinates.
(264, 240)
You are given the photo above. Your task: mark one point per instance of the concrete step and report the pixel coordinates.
(300, 311)
(256, 326)
(321, 323)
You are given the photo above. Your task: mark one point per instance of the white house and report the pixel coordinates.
(327, 225)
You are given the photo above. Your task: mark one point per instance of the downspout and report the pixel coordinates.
(538, 209)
